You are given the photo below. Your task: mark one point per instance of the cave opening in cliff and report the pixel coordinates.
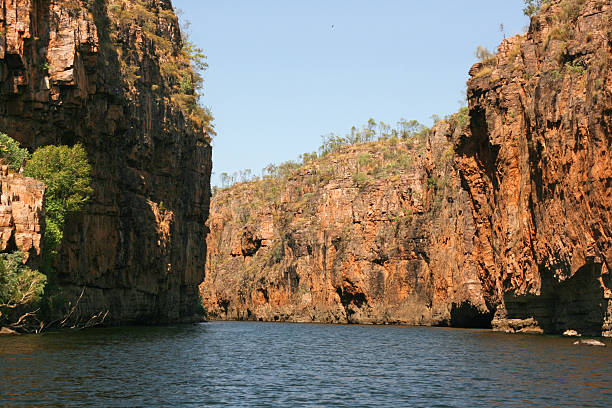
(467, 315)
(576, 303)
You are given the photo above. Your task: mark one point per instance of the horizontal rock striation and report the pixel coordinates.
(96, 73)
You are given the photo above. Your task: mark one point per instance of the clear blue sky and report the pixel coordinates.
(284, 72)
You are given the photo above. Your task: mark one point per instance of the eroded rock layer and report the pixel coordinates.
(96, 73)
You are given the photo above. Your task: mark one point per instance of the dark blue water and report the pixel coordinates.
(292, 365)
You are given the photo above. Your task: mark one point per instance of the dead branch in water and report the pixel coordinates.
(30, 323)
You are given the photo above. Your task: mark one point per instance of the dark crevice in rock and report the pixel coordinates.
(467, 315)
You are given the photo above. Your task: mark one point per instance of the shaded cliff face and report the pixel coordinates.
(100, 73)
(374, 233)
(538, 170)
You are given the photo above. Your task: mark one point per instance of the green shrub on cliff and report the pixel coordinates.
(532, 7)
(66, 173)
(21, 289)
(18, 283)
(11, 152)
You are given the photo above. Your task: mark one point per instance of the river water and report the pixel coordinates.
(293, 365)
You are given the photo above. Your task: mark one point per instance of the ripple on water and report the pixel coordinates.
(261, 364)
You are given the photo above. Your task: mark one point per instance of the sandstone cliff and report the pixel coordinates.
(505, 222)
(21, 214)
(107, 74)
(537, 167)
(373, 233)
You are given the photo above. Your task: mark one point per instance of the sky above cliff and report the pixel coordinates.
(283, 73)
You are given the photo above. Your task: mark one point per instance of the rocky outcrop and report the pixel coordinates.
(21, 214)
(538, 171)
(374, 233)
(104, 73)
(512, 228)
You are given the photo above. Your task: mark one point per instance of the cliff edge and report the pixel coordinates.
(537, 167)
(113, 75)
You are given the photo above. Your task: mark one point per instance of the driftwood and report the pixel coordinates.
(29, 322)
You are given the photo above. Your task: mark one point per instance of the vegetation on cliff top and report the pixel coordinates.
(385, 152)
(66, 174)
(404, 133)
(179, 60)
(374, 155)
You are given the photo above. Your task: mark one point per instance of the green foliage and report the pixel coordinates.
(308, 157)
(196, 55)
(576, 67)
(460, 119)
(277, 253)
(201, 309)
(532, 7)
(483, 54)
(11, 152)
(360, 179)
(21, 288)
(553, 75)
(364, 159)
(569, 10)
(66, 173)
(410, 128)
(18, 283)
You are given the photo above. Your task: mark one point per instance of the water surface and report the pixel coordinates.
(264, 364)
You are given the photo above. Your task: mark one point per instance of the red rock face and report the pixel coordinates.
(517, 223)
(331, 246)
(21, 214)
(538, 171)
(73, 72)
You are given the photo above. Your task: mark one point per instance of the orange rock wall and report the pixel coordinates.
(538, 169)
(395, 249)
(514, 230)
(70, 74)
(21, 214)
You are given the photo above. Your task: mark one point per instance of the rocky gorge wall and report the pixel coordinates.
(503, 222)
(538, 171)
(374, 233)
(105, 73)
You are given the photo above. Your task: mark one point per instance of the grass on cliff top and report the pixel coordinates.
(376, 151)
(179, 62)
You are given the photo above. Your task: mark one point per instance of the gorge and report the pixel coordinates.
(111, 75)
(498, 216)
